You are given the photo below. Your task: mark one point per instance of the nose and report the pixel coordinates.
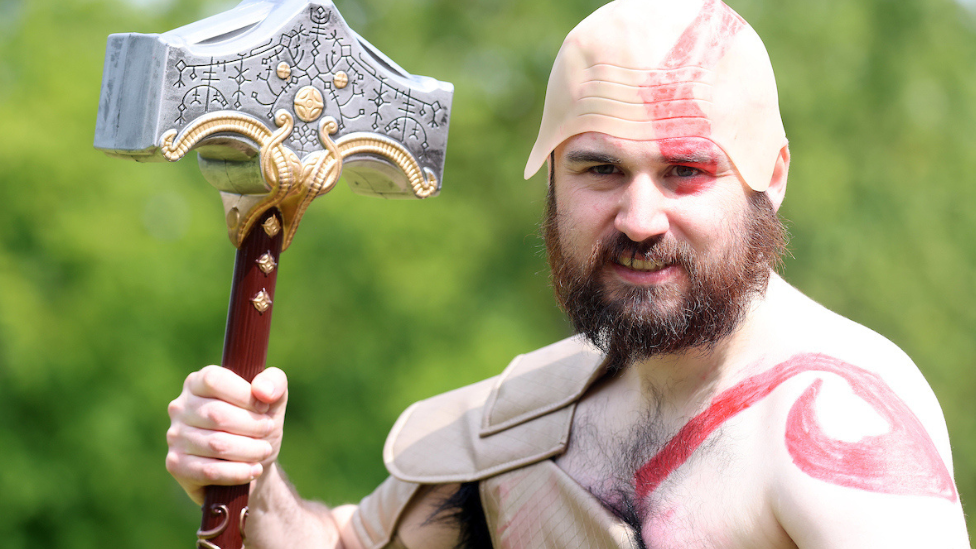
(642, 210)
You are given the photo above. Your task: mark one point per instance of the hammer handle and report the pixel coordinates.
(245, 353)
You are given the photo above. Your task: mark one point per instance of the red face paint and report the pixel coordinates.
(671, 94)
(902, 461)
(695, 152)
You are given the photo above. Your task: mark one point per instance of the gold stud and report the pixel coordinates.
(271, 226)
(341, 80)
(266, 263)
(284, 70)
(262, 301)
(308, 103)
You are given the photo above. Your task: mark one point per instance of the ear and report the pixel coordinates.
(777, 185)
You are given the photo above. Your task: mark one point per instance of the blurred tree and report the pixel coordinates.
(114, 275)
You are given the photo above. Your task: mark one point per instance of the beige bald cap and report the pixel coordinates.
(659, 69)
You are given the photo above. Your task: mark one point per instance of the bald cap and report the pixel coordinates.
(660, 69)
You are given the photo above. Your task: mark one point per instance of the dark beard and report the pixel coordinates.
(630, 324)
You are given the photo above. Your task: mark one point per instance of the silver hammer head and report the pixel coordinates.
(277, 97)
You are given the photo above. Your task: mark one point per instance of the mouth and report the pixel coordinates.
(643, 265)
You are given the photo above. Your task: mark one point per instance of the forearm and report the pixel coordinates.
(279, 518)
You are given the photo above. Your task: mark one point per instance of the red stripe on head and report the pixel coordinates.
(702, 44)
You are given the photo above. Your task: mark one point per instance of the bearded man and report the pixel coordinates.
(704, 403)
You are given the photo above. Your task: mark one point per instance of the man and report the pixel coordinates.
(706, 402)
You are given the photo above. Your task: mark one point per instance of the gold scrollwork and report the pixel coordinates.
(422, 180)
(294, 183)
(279, 165)
(320, 172)
(204, 536)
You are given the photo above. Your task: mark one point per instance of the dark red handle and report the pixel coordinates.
(245, 353)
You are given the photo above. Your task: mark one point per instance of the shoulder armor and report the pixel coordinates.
(520, 417)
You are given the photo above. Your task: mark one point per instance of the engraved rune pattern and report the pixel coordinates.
(317, 48)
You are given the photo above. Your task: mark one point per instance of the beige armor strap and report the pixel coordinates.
(541, 507)
(376, 517)
(521, 417)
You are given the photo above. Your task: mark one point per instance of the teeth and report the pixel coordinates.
(640, 264)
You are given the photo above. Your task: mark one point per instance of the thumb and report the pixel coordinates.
(270, 385)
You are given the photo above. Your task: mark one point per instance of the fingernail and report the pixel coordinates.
(256, 470)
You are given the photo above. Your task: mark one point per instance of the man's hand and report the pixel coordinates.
(224, 430)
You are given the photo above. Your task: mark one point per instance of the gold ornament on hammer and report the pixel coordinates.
(271, 226)
(280, 167)
(340, 80)
(262, 301)
(266, 263)
(292, 182)
(283, 71)
(308, 104)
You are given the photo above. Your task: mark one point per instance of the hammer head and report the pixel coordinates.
(259, 59)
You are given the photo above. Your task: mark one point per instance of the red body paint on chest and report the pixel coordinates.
(901, 461)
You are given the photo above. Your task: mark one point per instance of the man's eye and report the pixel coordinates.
(686, 171)
(603, 169)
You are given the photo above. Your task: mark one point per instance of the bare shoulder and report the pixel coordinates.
(812, 334)
(859, 445)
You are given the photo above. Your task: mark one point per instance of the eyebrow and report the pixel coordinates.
(694, 152)
(693, 157)
(590, 157)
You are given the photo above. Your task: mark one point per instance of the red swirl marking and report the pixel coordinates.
(902, 461)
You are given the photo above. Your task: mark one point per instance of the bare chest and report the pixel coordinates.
(678, 484)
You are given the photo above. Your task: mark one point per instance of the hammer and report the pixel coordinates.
(278, 98)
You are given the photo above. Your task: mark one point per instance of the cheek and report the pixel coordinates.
(582, 222)
(709, 226)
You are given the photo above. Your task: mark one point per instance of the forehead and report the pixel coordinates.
(674, 150)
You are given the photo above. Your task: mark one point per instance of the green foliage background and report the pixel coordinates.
(114, 275)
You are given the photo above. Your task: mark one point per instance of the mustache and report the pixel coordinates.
(662, 249)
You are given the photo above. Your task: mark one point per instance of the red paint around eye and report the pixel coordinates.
(692, 151)
(902, 461)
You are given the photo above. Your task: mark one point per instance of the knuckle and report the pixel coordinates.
(210, 377)
(214, 415)
(218, 445)
(175, 408)
(172, 435)
(172, 462)
(211, 472)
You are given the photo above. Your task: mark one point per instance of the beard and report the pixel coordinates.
(631, 323)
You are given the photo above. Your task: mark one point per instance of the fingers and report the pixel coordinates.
(214, 444)
(222, 384)
(218, 415)
(196, 473)
(224, 430)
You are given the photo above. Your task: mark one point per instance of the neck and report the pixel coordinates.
(689, 379)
